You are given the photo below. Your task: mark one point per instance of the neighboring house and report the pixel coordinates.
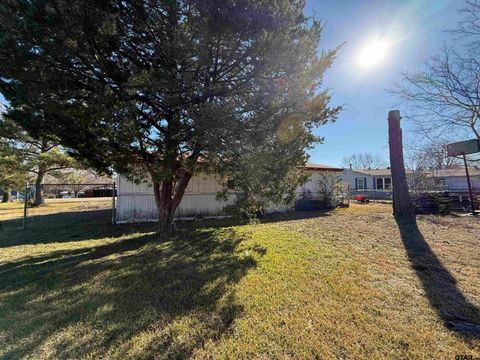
(455, 179)
(377, 183)
(136, 203)
(361, 179)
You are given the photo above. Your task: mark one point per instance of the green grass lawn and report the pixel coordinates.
(350, 284)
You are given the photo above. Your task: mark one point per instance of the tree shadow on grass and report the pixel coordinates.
(137, 298)
(451, 305)
(69, 226)
(295, 215)
(65, 227)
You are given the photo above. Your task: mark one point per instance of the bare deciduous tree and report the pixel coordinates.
(429, 156)
(443, 99)
(469, 25)
(364, 161)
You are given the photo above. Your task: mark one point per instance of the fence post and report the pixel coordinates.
(25, 203)
(114, 217)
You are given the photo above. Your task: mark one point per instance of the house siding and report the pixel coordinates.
(349, 177)
(460, 182)
(136, 202)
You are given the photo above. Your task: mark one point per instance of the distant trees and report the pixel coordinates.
(12, 174)
(430, 156)
(364, 161)
(78, 180)
(167, 88)
(32, 157)
(443, 100)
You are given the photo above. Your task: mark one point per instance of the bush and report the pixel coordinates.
(330, 189)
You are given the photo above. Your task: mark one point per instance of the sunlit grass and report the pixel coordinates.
(337, 285)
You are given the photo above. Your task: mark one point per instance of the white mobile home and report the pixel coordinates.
(136, 202)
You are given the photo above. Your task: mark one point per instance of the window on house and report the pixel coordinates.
(384, 183)
(387, 183)
(361, 184)
(440, 182)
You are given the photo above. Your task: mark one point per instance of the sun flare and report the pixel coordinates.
(373, 53)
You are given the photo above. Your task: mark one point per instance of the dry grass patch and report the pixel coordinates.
(14, 210)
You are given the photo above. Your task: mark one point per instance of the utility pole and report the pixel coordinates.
(465, 148)
(402, 204)
(470, 192)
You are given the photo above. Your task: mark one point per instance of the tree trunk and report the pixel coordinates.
(168, 195)
(38, 189)
(7, 195)
(402, 204)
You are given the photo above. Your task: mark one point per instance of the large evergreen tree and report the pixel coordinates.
(154, 86)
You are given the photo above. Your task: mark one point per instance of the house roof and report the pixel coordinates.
(455, 172)
(321, 167)
(379, 172)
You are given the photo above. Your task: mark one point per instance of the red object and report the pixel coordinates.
(361, 198)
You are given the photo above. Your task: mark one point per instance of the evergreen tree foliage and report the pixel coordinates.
(159, 87)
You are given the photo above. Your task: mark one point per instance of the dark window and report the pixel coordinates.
(387, 183)
(384, 183)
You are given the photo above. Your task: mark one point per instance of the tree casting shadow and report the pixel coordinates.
(451, 305)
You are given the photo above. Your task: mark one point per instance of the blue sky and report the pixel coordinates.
(414, 30)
